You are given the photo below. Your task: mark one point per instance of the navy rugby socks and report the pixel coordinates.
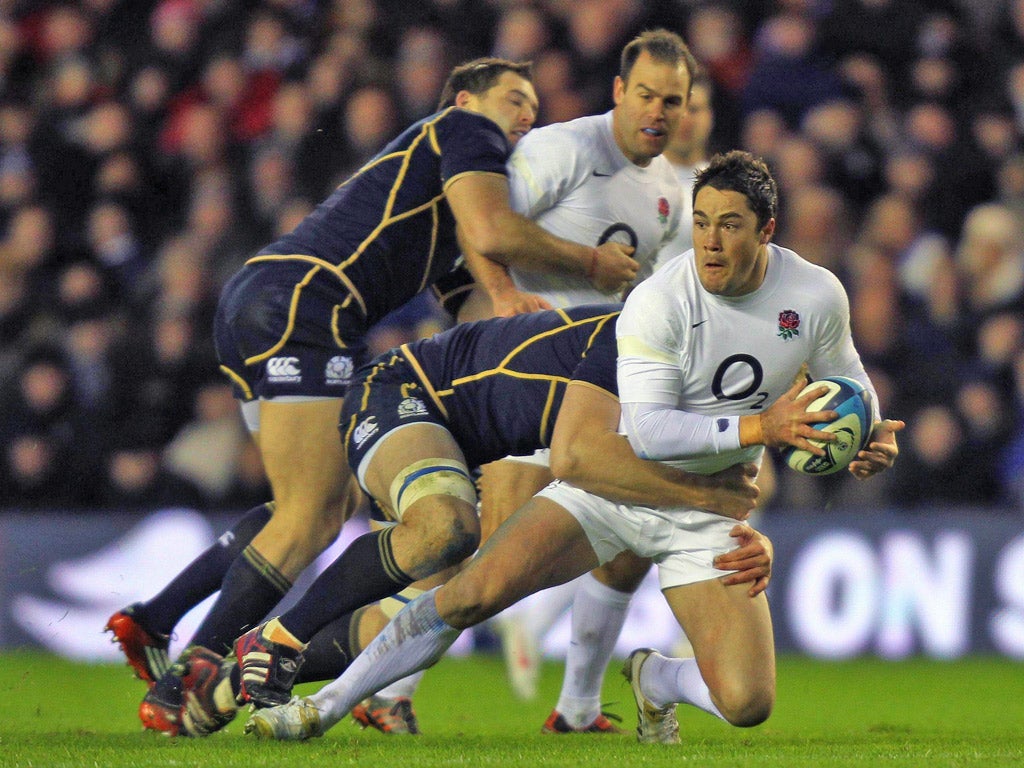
(364, 573)
(203, 576)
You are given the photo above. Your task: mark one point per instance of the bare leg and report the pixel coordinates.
(734, 651)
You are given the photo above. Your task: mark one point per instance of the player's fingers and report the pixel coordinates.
(810, 397)
(759, 586)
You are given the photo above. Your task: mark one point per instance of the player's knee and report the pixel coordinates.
(745, 706)
(461, 529)
(302, 535)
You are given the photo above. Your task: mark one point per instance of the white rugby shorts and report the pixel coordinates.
(682, 542)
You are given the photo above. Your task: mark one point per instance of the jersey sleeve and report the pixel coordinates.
(468, 142)
(597, 367)
(648, 333)
(834, 352)
(544, 167)
(650, 382)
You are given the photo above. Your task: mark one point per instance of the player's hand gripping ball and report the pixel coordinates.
(852, 428)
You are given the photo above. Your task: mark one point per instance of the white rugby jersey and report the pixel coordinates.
(573, 180)
(723, 357)
(683, 239)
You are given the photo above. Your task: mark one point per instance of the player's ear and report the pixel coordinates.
(767, 231)
(618, 89)
(463, 98)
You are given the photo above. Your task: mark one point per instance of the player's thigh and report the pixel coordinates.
(624, 572)
(732, 640)
(505, 486)
(303, 455)
(540, 546)
(403, 453)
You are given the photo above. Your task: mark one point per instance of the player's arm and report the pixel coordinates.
(489, 227)
(587, 451)
(837, 355)
(494, 280)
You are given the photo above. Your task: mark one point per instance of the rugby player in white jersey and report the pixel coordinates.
(590, 180)
(705, 374)
(688, 152)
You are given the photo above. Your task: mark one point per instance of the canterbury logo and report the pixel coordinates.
(365, 430)
(283, 366)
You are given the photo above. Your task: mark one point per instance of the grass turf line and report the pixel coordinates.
(859, 713)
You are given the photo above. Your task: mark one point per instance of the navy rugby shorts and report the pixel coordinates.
(276, 337)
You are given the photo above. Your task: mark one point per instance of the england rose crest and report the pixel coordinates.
(789, 324)
(663, 210)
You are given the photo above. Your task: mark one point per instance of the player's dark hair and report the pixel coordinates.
(702, 78)
(480, 75)
(663, 46)
(739, 171)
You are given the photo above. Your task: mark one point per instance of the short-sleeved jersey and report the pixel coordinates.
(388, 233)
(734, 355)
(573, 180)
(683, 239)
(496, 385)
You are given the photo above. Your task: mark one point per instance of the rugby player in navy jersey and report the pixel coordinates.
(291, 327)
(416, 421)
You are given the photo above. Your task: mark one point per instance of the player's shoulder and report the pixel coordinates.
(664, 300)
(583, 136)
(800, 272)
(455, 121)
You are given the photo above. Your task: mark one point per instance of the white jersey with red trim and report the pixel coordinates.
(573, 180)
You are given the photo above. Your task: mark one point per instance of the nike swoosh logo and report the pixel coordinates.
(599, 174)
(697, 325)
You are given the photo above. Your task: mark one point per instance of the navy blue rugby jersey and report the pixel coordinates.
(387, 233)
(499, 383)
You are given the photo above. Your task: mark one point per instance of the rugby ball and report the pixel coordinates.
(852, 428)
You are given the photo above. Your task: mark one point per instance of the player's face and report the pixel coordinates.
(511, 102)
(648, 107)
(695, 124)
(730, 250)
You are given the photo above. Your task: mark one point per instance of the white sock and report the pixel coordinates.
(413, 640)
(598, 613)
(667, 681)
(404, 688)
(540, 612)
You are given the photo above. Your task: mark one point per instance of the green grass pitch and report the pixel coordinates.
(859, 713)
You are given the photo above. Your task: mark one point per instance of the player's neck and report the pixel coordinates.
(686, 157)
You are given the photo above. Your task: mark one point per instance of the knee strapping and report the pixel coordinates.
(389, 606)
(431, 477)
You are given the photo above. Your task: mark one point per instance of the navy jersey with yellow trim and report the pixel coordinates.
(388, 233)
(499, 383)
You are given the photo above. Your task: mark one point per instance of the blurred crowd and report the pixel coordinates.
(147, 147)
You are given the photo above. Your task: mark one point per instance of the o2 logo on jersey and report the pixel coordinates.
(283, 369)
(756, 378)
(613, 229)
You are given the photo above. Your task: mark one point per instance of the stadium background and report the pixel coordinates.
(146, 148)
